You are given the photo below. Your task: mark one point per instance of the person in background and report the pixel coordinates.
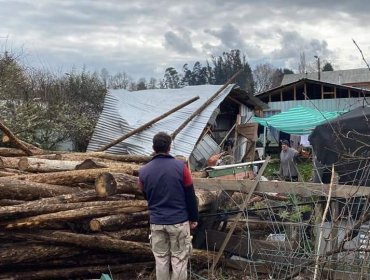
(288, 167)
(168, 187)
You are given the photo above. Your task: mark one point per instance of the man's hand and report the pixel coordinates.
(193, 225)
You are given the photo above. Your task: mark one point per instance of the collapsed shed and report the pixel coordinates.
(202, 137)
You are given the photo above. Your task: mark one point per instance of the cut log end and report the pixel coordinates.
(95, 225)
(89, 164)
(105, 185)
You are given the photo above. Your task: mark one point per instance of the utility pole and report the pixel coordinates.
(318, 66)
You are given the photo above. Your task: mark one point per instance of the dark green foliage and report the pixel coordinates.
(228, 64)
(327, 67)
(46, 109)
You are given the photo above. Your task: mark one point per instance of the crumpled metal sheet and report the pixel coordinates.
(124, 111)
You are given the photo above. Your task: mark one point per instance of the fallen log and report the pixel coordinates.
(6, 174)
(87, 272)
(23, 252)
(13, 139)
(108, 183)
(104, 155)
(47, 165)
(9, 162)
(113, 182)
(39, 208)
(104, 243)
(75, 176)
(134, 234)
(12, 152)
(10, 202)
(11, 188)
(107, 222)
(128, 206)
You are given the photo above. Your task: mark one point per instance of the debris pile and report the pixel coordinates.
(74, 215)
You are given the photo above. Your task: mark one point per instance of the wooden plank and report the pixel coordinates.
(239, 215)
(305, 189)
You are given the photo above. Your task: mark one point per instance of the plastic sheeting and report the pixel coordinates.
(299, 120)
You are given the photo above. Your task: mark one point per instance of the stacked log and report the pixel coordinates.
(75, 215)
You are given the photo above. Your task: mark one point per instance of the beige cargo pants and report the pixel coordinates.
(171, 246)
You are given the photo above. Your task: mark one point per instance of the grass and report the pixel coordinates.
(304, 168)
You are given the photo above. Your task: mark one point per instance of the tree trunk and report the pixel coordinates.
(9, 162)
(75, 176)
(13, 139)
(115, 207)
(109, 183)
(104, 155)
(86, 272)
(39, 208)
(11, 188)
(12, 152)
(47, 165)
(104, 223)
(18, 253)
(10, 202)
(134, 234)
(95, 242)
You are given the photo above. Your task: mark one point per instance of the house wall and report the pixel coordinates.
(320, 104)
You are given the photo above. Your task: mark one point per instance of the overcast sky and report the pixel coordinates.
(143, 38)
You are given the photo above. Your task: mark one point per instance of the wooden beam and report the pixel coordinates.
(295, 93)
(205, 104)
(304, 189)
(239, 215)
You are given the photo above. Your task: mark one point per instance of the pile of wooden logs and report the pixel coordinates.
(74, 215)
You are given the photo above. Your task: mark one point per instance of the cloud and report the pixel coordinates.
(231, 38)
(179, 41)
(140, 37)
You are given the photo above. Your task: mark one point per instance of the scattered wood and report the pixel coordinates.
(17, 142)
(75, 176)
(12, 188)
(104, 223)
(48, 165)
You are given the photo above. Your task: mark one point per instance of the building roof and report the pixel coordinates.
(339, 77)
(305, 80)
(125, 111)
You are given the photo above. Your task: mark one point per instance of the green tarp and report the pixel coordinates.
(299, 120)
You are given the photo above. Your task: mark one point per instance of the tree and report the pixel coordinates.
(266, 77)
(152, 83)
(171, 78)
(141, 85)
(119, 81)
(85, 96)
(327, 67)
(228, 64)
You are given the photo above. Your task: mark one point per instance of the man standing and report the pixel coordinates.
(288, 168)
(168, 187)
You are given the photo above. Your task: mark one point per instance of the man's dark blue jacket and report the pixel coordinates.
(168, 187)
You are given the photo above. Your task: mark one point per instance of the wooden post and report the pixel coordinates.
(15, 140)
(146, 125)
(205, 104)
(239, 215)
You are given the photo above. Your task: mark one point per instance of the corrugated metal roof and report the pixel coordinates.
(124, 111)
(339, 77)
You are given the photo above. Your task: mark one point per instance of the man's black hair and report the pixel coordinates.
(162, 142)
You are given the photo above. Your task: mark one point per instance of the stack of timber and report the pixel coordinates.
(75, 215)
